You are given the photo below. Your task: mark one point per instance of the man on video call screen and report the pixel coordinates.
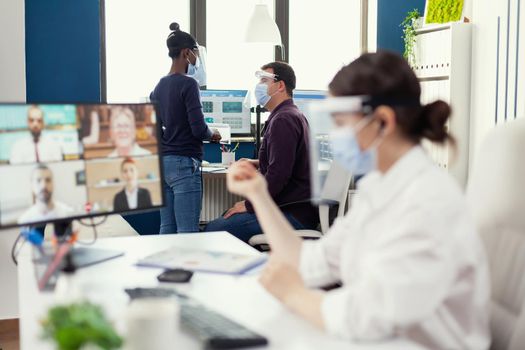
(62, 161)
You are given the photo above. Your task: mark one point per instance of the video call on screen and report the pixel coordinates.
(61, 161)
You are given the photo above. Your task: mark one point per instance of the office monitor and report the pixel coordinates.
(61, 162)
(301, 99)
(227, 107)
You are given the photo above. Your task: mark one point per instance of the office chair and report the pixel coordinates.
(496, 192)
(335, 193)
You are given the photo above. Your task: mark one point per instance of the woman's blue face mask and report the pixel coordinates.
(347, 152)
(192, 68)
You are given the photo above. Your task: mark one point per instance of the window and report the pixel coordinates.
(231, 63)
(136, 53)
(324, 36)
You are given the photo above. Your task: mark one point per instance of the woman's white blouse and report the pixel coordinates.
(410, 261)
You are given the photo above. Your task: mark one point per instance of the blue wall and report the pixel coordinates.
(62, 50)
(390, 14)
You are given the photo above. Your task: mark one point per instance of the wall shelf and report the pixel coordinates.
(428, 28)
(121, 184)
(443, 61)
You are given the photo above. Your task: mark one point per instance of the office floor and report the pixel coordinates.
(9, 335)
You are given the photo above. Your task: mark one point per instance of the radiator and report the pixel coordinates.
(216, 198)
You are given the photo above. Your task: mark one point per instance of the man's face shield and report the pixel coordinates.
(265, 77)
(262, 78)
(325, 117)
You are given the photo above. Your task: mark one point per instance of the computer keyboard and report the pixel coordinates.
(214, 330)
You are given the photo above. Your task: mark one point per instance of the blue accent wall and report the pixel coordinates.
(390, 14)
(62, 50)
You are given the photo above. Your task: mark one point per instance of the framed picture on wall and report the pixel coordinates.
(444, 11)
(80, 177)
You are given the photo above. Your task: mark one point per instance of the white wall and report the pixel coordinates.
(467, 9)
(483, 104)
(12, 89)
(12, 51)
(8, 276)
(372, 25)
(484, 40)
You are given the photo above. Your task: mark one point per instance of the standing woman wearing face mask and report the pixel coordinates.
(407, 254)
(179, 107)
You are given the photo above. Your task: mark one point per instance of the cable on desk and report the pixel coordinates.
(104, 219)
(14, 251)
(93, 225)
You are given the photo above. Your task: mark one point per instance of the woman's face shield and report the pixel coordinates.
(200, 74)
(196, 56)
(324, 117)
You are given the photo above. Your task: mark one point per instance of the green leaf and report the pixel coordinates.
(76, 325)
(409, 34)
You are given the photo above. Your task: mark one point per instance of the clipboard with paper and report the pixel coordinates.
(201, 260)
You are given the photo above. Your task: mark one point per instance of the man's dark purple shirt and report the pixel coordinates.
(284, 161)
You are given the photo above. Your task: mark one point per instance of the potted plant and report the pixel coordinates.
(410, 25)
(80, 326)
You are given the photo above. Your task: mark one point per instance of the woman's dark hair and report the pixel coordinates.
(387, 77)
(178, 40)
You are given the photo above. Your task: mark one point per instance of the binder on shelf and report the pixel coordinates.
(432, 50)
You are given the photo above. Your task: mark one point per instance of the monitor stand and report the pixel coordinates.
(48, 262)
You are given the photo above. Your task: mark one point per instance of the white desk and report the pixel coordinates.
(239, 297)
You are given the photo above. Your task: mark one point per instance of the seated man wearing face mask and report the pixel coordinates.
(283, 158)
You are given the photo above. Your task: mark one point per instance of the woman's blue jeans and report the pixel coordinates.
(182, 194)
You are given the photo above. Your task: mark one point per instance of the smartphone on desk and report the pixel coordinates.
(175, 276)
